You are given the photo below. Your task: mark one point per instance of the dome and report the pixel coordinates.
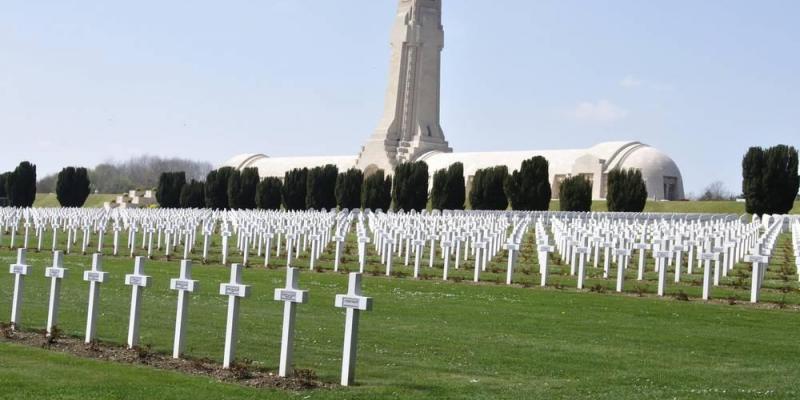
(660, 172)
(243, 160)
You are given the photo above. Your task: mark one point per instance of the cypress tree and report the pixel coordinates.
(410, 186)
(487, 191)
(21, 185)
(455, 187)
(376, 193)
(233, 189)
(294, 189)
(192, 195)
(168, 193)
(575, 194)
(753, 187)
(627, 191)
(3, 179)
(72, 187)
(528, 189)
(348, 189)
(439, 190)
(242, 189)
(268, 194)
(769, 179)
(781, 178)
(216, 188)
(321, 187)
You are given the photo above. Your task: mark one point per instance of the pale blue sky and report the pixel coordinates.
(86, 81)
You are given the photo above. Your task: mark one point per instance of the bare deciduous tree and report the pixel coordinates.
(715, 191)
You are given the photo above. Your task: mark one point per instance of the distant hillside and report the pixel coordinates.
(137, 173)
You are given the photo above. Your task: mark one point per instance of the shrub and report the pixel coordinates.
(769, 179)
(216, 188)
(3, 181)
(21, 185)
(168, 193)
(439, 190)
(449, 190)
(294, 189)
(487, 191)
(456, 188)
(268, 194)
(321, 187)
(410, 190)
(348, 188)
(242, 189)
(72, 187)
(626, 191)
(192, 195)
(376, 193)
(575, 194)
(528, 189)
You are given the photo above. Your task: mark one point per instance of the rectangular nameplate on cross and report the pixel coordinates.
(137, 278)
(353, 299)
(291, 293)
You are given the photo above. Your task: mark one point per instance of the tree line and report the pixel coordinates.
(406, 189)
(137, 173)
(770, 185)
(18, 187)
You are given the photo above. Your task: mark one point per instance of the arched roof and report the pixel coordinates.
(278, 166)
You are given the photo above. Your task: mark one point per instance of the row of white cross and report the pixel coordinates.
(724, 242)
(451, 236)
(353, 302)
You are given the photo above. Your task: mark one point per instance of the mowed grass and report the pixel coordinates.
(706, 207)
(45, 200)
(427, 339)
(710, 207)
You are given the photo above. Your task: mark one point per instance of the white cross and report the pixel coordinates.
(543, 250)
(417, 254)
(678, 249)
(354, 303)
(362, 252)
(707, 258)
(315, 247)
(446, 245)
(388, 242)
(621, 254)
(56, 273)
(137, 281)
(116, 230)
(339, 239)
(581, 252)
(661, 260)
(291, 295)
(19, 270)
(641, 247)
(512, 248)
(185, 286)
(235, 291)
(225, 236)
(95, 277)
(760, 263)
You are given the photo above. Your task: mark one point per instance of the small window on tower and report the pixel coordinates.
(429, 131)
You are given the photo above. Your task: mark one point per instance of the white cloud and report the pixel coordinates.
(630, 82)
(602, 111)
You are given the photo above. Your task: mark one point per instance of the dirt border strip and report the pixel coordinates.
(244, 373)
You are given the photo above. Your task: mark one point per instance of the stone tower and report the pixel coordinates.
(410, 125)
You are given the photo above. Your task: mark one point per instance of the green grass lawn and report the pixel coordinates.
(429, 339)
(715, 207)
(50, 200)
